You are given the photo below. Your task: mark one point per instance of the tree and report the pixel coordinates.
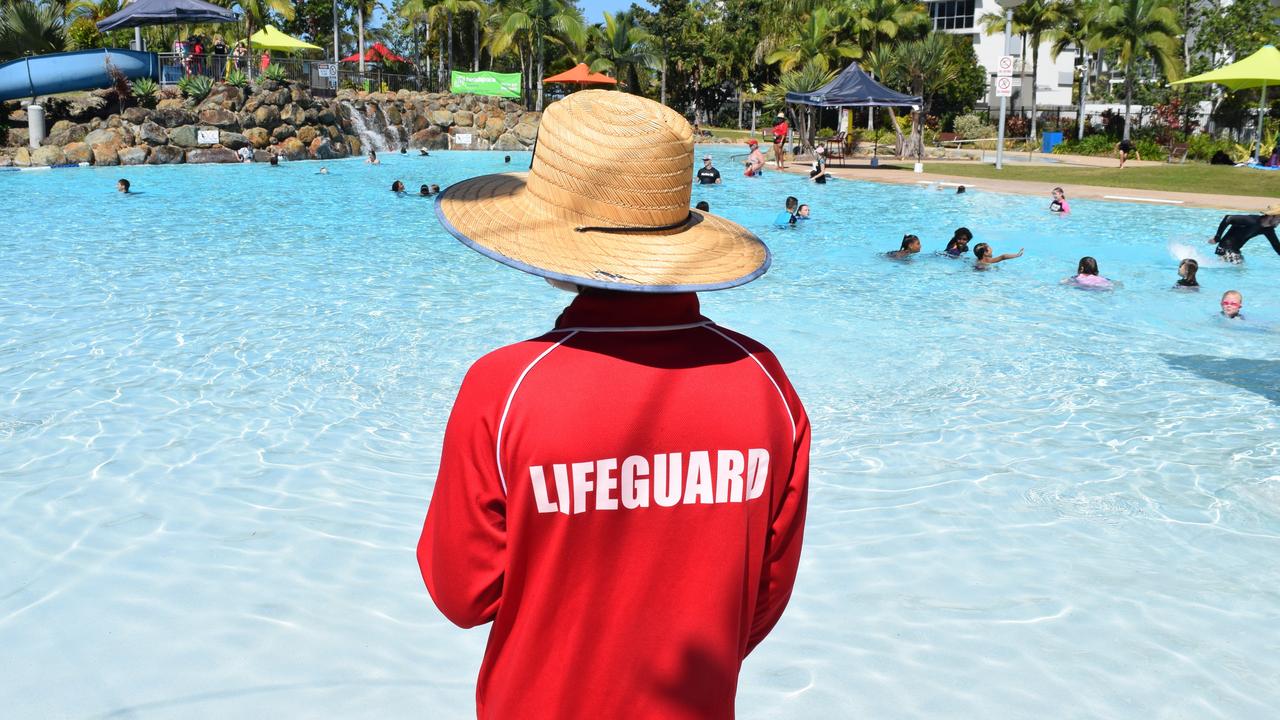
(925, 66)
(876, 21)
(26, 27)
(438, 11)
(622, 47)
(1078, 29)
(539, 21)
(821, 37)
(1140, 31)
(1033, 20)
(256, 13)
(806, 79)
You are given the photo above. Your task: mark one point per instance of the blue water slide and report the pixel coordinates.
(68, 71)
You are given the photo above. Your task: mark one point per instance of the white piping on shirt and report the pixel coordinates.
(785, 404)
(637, 328)
(503, 421)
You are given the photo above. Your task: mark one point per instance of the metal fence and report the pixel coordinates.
(323, 77)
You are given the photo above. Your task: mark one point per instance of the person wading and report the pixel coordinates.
(622, 497)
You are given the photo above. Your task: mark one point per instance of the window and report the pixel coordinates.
(952, 14)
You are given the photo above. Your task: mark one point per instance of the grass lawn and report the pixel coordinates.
(1191, 177)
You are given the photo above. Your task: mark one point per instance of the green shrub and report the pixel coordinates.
(1203, 146)
(196, 87)
(1150, 149)
(235, 78)
(82, 34)
(1097, 144)
(973, 127)
(145, 91)
(275, 72)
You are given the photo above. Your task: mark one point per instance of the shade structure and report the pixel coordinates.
(854, 88)
(272, 39)
(376, 52)
(166, 12)
(1259, 70)
(581, 75)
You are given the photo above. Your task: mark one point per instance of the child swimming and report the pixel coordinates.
(1059, 203)
(910, 246)
(1087, 276)
(1187, 275)
(958, 245)
(1232, 304)
(982, 251)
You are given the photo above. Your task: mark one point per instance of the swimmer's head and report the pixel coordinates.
(1087, 266)
(703, 205)
(1058, 194)
(962, 236)
(792, 202)
(910, 243)
(435, 188)
(122, 185)
(1232, 303)
(424, 191)
(802, 211)
(506, 158)
(397, 186)
(981, 250)
(1187, 269)
(960, 190)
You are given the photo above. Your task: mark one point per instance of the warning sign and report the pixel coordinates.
(1004, 87)
(1004, 68)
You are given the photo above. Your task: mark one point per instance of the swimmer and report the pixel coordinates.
(425, 191)
(397, 187)
(802, 213)
(1187, 275)
(122, 185)
(373, 158)
(788, 216)
(755, 160)
(910, 246)
(275, 160)
(323, 171)
(703, 205)
(982, 251)
(422, 152)
(506, 159)
(435, 189)
(403, 151)
(960, 190)
(1059, 203)
(1087, 276)
(958, 245)
(1232, 304)
(1236, 230)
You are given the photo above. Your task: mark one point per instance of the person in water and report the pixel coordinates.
(958, 245)
(1187, 274)
(1232, 304)
(122, 185)
(1087, 275)
(323, 171)
(1236, 230)
(982, 251)
(819, 172)
(373, 158)
(422, 152)
(506, 159)
(708, 174)
(788, 215)
(435, 189)
(1059, 203)
(424, 190)
(403, 151)
(960, 190)
(910, 246)
(755, 160)
(275, 160)
(703, 205)
(802, 213)
(397, 187)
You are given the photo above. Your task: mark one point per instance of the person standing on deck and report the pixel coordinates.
(780, 132)
(622, 497)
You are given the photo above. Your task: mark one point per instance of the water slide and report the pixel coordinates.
(68, 71)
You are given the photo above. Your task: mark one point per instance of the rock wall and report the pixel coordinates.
(274, 118)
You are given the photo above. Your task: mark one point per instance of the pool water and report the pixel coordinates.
(222, 400)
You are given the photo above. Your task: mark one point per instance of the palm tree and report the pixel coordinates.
(878, 20)
(821, 38)
(808, 78)
(1078, 30)
(622, 47)
(364, 9)
(537, 21)
(26, 27)
(256, 11)
(1033, 20)
(925, 66)
(1140, 30)
(443, 11)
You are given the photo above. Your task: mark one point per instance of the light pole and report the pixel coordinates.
(1008, 6)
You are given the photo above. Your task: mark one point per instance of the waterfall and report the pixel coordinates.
(395, 133)
(369, 138)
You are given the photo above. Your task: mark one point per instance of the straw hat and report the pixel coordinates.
(1272, 209)
(605, 204)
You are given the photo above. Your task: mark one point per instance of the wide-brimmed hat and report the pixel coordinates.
(605, 204)
(1273, 209)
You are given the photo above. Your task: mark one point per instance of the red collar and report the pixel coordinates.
(606, 308)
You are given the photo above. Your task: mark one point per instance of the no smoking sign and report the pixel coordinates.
(1004, 87)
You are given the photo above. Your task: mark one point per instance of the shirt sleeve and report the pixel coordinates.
(462, 551)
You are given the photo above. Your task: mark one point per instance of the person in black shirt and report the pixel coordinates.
(1236, 230)
(708, 175)
(1126, 146)
(220, 52)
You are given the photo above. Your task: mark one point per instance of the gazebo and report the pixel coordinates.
(1259, 70)
(164, 12)
(854, 88)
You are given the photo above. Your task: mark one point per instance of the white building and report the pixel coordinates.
(1053, 82)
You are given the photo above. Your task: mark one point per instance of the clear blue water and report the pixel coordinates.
(221, 405)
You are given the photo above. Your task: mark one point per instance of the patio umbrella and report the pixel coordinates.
(376, 52)
(1256, 71)
(272, 39)
(580, 74)
(166, 12)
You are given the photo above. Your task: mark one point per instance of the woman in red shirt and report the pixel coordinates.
(780, 131)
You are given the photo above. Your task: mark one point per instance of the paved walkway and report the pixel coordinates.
(1024, 187)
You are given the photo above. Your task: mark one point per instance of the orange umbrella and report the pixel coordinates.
(581, 75)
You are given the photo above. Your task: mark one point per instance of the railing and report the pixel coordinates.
(175, 66)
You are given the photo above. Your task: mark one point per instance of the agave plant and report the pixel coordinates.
(195, 87)
(145, 91)
(235, 78)
(276, 73)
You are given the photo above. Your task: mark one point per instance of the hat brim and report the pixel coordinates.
(496, 216)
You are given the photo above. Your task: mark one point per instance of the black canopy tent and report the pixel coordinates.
(854, 88)
(165, 12)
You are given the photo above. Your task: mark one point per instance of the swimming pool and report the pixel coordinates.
(222, 400)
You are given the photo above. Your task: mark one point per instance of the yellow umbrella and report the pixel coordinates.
(272, 39)
(1258, 70)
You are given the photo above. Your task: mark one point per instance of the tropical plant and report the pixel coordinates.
(145, 91)
(1140, 31)
(973, 127)
(364, 9)
(1078, 30)
(235, 78)
(94, 10)
(924, 66)
(623, 48)
(1033, 20)
(196, 87)
(28, 28)
(820, 38)
(82, 34)
(806, 79)
(443, 12)
(876, 21)
(531, 24)
(275, 73)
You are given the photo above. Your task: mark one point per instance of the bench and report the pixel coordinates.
(1177, 153)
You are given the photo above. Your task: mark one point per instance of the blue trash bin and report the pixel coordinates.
(1049, 140)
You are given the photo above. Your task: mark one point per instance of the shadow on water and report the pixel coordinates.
(1252, 374)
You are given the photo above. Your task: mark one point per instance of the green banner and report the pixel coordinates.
(486, 83)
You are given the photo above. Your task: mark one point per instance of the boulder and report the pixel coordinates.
(87, 106)
(229, 95)
(494, 128)
(62, 126)
(186, 136)
(174, 117)
(233, 140)
(259, 137)
(443, 118)
(266, 117)
(333, 132)
(293, 114)
(393, 114)
(282, 132)
(420, 123)
(274, 97)
(508, 141)
(17, 137)
(482, 119)
(262, 156)
(22, 158)
(299, 96)
(171, 104)
(293, 149)
(253, 103)
(311, 116)
(135, 155)
(354, 146)
(152, 134)
(219, 118)
(212, 155)
(137, 115)
(65, 133)
(322, 149)
(115, 122)
(527, 132)
(464, 118)
(48, 155)
(165, 155)
(307, 134)
(5, 161)
(325, 116)
(106, 154)
(77, 152)
(106, 135)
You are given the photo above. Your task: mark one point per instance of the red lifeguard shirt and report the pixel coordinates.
(780, 131)
(624, 499)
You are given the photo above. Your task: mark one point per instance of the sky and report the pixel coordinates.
(593, 10)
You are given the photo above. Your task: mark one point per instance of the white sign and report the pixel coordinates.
(207, 137)
(1004, 68)
(325, 70)
(1004, 87)
(462, 139)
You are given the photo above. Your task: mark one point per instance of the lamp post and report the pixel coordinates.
(1008, 6)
